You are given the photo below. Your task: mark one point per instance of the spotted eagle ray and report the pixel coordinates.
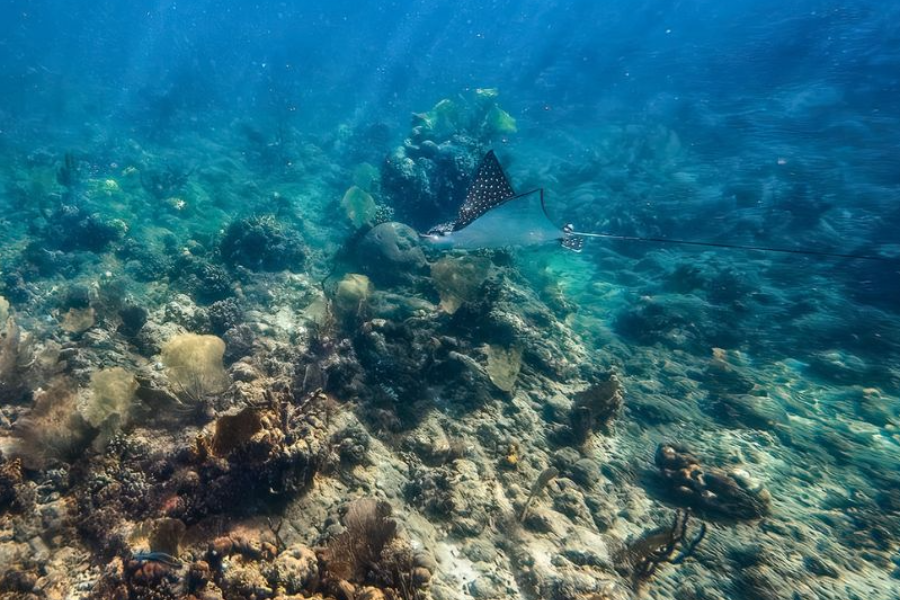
(493, 215)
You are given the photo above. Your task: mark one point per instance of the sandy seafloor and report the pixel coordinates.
(779, 374)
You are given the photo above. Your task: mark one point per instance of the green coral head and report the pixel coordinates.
(441, 121)
(499, 121)
(487, 93)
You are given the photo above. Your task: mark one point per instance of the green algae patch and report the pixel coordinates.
(359, 207)
(499, 121)
(194, 365)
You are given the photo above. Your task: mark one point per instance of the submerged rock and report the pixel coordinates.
(390, 254)
(262, 244)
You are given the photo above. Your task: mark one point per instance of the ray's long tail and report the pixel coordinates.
(572, 239)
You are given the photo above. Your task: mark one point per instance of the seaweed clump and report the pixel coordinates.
(260, 243)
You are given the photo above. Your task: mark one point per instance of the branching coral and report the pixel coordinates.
(371, 551)
(644, 556)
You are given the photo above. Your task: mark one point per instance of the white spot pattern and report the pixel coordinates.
(490, 189)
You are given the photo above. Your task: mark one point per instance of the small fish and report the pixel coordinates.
(160, 557)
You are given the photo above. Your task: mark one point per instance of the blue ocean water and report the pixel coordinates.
(255, 175)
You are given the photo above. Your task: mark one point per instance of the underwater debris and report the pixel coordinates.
(641, 558)
(733, 495)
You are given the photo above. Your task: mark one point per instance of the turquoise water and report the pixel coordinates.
(231, 366)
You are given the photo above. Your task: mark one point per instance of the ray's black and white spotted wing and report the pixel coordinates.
(490, 189)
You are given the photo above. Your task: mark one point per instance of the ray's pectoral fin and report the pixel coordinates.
(490, 188)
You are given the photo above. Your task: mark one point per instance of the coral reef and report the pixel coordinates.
(426, 179)
(730, 494)
(261, 243)
(228, 369)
